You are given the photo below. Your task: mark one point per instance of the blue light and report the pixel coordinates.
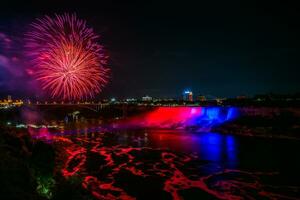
(212, 116)
(218, 147)
(213, 113)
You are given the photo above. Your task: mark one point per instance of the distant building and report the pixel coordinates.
(131, 100)
(6, 103)
(220, 100)
(147, 98)
(9, 99)
(113, 99)
(188, 95)
(201, 98)
(241, 97)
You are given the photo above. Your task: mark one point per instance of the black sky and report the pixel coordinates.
(159, 48)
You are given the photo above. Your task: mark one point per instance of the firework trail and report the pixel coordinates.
(67, 61)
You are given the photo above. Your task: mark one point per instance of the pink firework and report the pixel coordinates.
(67, 61)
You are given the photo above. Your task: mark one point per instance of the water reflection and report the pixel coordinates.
(172, 160)
(208, 146)
(131, 161)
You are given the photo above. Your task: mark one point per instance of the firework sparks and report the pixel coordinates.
(68, 62)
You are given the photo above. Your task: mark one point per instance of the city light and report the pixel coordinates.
(9, 102)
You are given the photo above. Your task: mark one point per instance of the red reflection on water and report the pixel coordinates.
(40, 133)
(177, 171)
(75, 161)
(102, 190)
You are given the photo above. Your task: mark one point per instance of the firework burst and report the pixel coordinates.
(67, 61)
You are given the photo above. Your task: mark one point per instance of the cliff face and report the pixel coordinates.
(268, 111)
(23, 164)
(27, 170)
(264, 122)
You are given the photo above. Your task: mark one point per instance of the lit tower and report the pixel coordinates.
(9, 99)
(188, 95)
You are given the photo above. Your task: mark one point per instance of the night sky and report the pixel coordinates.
(219, 48)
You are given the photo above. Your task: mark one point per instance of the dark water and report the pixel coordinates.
(176, 164)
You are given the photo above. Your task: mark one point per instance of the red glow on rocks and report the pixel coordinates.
(173, 171)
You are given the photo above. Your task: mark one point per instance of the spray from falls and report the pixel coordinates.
(203, 118)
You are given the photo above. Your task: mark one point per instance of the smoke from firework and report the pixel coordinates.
(67, 61)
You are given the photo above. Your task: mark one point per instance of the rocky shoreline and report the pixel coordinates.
(284, 125)
(27, 170)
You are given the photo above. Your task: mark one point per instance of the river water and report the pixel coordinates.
(178, 164)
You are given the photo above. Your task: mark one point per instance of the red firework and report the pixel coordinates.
(68, 62)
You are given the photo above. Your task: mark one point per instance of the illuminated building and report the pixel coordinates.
(241, 97)
(201, 98)
(9, 99)
(113, 100)
(188, 95)
(131, 100)
(6, 103)
(146, 98)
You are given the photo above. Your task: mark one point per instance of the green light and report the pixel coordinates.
(45, 186)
